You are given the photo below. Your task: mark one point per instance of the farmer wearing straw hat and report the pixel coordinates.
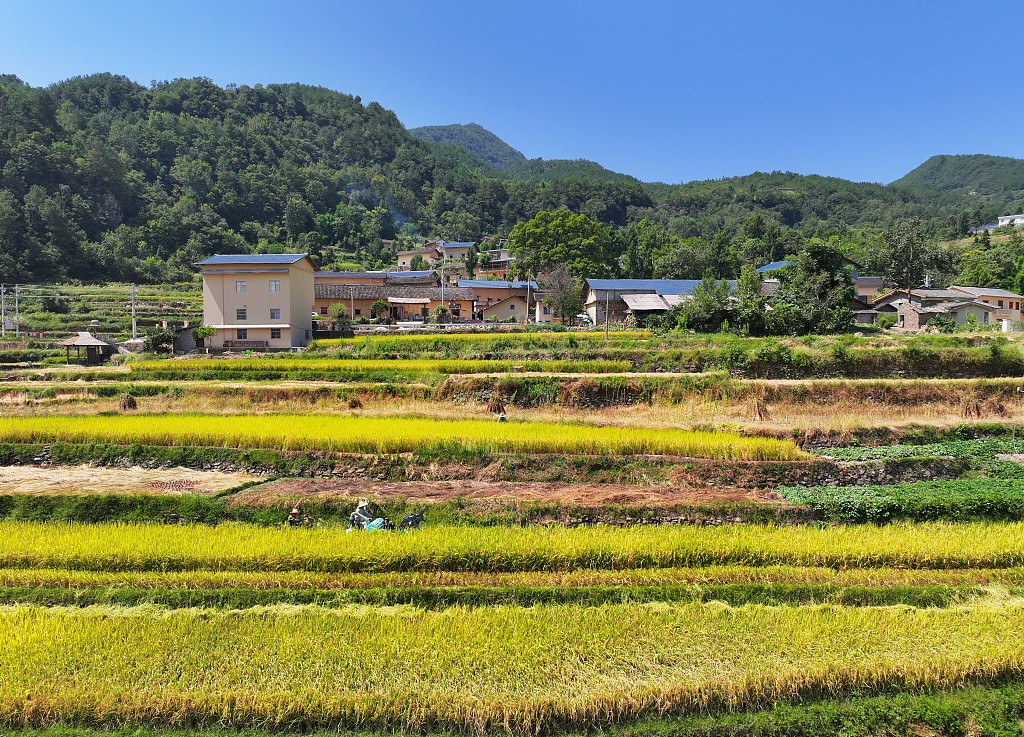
(293, 517)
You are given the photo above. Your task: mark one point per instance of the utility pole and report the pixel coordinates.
(528, 281)
(135, 329)
(17, 310)
(3, 310)
(443, 256)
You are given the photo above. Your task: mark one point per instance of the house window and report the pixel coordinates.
(275, 313)
(239, 286)
(547, 310)
(241, 314)
(242, 334)
(359, 312)
(275, 285)
(1000, 304)
(275, 333)
(512, 306)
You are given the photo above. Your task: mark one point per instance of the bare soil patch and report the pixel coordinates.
(428, 492)
(100, 480)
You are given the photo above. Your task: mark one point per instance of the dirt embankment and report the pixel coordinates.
(427, 492)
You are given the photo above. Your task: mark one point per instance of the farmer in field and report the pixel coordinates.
(293, 517)
(361, 517)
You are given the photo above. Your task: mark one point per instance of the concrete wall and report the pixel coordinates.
(294, 299)
(514, 307)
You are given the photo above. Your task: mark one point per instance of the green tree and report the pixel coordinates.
(561, 237)
(689, 258)
(644, 244)
(338, 312)
(907, 256)
(817, 288)
(707, 309)
(379, 309)
(749, 309)
(202, 332)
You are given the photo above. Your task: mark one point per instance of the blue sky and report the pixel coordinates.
(666, 91)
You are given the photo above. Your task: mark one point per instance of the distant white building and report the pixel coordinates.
(1013, 220)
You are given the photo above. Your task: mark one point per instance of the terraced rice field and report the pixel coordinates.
(389, 435)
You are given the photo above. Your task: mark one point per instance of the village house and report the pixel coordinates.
(510, 308)
(406, 302)
(496, 261)
(490, 292)
(916, 316)
(258, 301)
(434, 253)
(923, 297)
(1007, 303)
(617, 296)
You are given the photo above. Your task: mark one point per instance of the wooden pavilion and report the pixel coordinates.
(96, 349)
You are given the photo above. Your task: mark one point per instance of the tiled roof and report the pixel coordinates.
(986, 292)
(349, 274)
(253, 258)
(381, 291)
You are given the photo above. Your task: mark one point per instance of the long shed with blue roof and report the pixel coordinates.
(612, 293)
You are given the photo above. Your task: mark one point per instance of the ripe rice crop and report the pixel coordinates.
(477, 670)
(79, 580)
(389, 435)
(116, 547)
(265, 367)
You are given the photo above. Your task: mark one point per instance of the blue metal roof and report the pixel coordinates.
(461, 244)
(659, 286)
(253, 258)
(774, 265)
(497, 284)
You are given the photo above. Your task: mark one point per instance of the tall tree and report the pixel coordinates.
(749, 309)
(644, 243)
(818, 289)
(907, 256)
(561, 237)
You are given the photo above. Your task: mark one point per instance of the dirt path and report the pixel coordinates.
(428, 492)
(100, 480)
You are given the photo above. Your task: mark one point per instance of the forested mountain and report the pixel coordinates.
(985, 175)
(103, 178)
(475, 139)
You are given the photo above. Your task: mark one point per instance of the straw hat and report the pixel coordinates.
(295, 510)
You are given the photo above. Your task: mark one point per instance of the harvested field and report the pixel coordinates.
(102, 480)
(430, 492)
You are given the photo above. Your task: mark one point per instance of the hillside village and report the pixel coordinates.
(278, 301)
